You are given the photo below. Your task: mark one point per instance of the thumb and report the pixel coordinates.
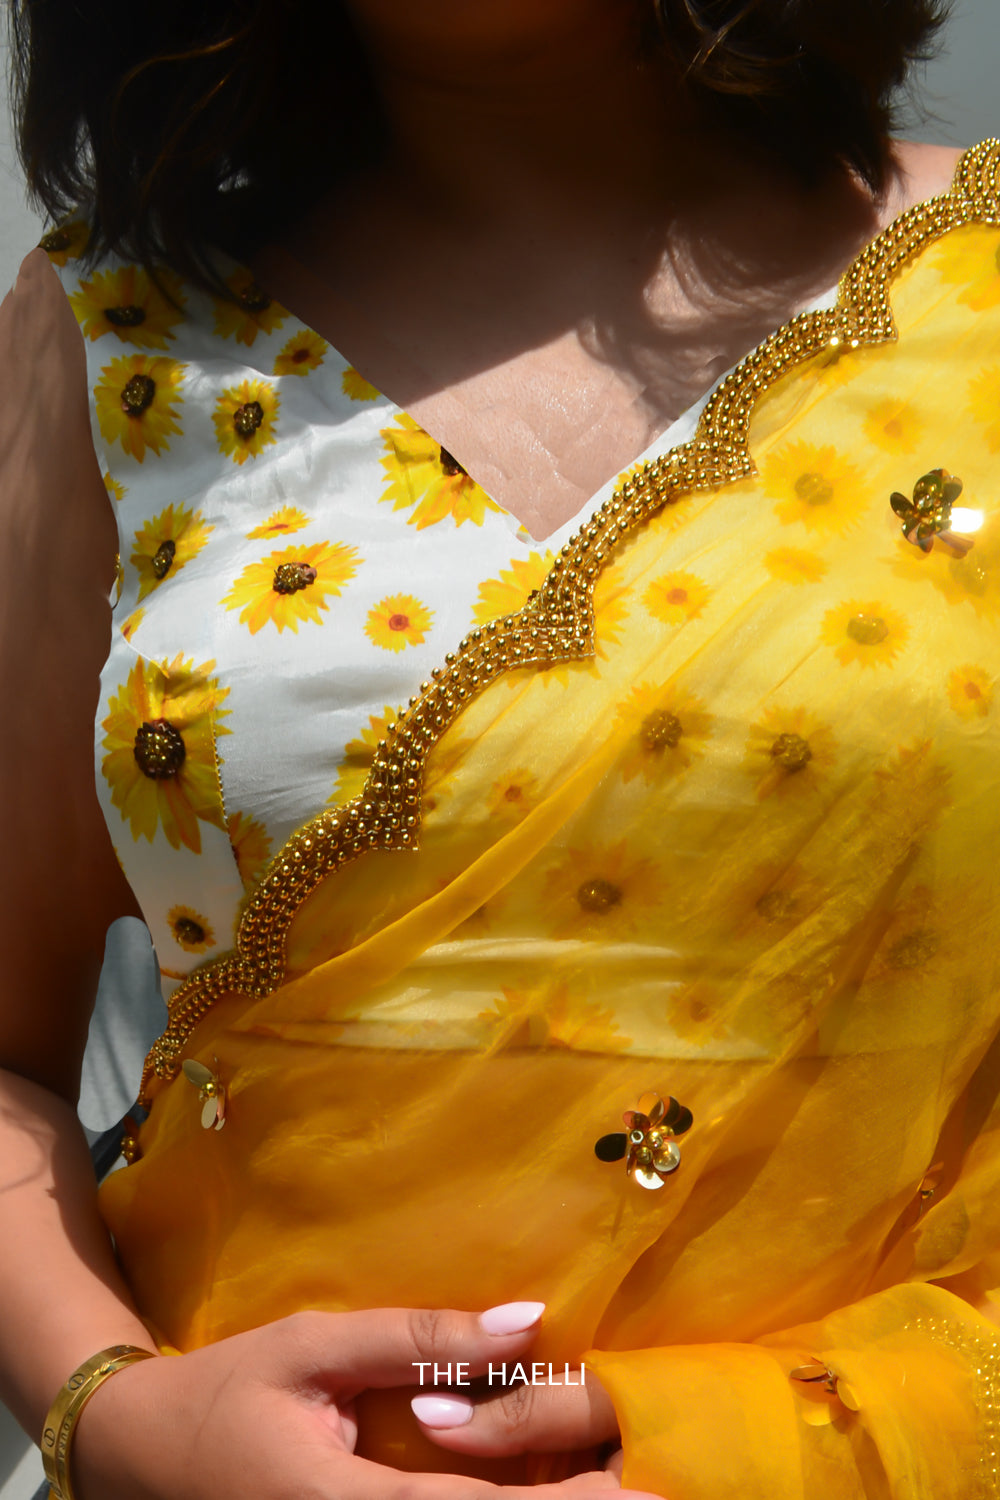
(389, 1346)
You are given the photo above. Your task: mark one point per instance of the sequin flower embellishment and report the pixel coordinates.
(929, 517)
(136, 401)
(648, 1144)
(211, 1093)
(245, 417)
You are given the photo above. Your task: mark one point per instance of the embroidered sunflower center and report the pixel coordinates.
(399, 622)
(129, 316)
(598, 895)
(253, 299)
(159, 750)
(791, 752)
(450, 464)
(867, 630)
(247, 418)
(289, 577)
(660, 730)
(137, 395)
(163, 558)
(813, 489)
(299, 355)
(55, 240)
(912, 950)
(187, 930)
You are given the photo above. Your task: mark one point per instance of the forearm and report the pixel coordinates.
(62, 1297)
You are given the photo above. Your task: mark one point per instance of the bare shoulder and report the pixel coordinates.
(60, 878)
(922, 171)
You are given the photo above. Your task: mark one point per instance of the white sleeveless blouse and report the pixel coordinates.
(296, 556)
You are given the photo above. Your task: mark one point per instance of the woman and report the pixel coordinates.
(700, 808)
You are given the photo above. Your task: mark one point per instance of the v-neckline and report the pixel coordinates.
(668, 438)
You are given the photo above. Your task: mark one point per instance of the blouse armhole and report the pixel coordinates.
(61, 880)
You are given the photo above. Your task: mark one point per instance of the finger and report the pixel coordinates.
(389, 1346)
(520, 1419)
(360, 1479)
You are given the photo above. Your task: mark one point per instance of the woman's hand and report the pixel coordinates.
(271, 1412)
(546, 1418)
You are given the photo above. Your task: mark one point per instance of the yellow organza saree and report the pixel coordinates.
(715, 817)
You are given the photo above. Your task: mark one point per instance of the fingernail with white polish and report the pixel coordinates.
(442, 1411)
(511, 1317)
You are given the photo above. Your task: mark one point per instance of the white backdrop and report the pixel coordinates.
(956, 102)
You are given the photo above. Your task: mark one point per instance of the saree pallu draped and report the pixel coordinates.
(731, 837)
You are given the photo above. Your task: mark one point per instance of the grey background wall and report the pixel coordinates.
(956, 101)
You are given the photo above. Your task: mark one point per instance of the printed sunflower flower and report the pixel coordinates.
(971, 260)
(286, 587)
(115, 490)
(128, 303)
(251, 846)
(513, 588)
(66, 242)
(697, 1014)
(600, 891)
(515, 793)
(245, 417)
(161, 758)
(281, 522)
(676, 598)
(398, 621)
(443, 759)
(984, 404)
(136, 400)
(894, 426)
(788, 751)
(795, 565)
(131, 625)
(251, 310)
(423, 475)
(190, 929)
(304, 351)
(354, 384)
(550, 1015)
(358, 757)
(970, 692)
(165, 543)
(669, 730)
(611, 610)
(920, 939)
(815, 486)
(864, 631)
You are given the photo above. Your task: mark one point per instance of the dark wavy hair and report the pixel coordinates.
(195, 123)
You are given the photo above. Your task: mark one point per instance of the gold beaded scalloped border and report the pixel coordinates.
(557, 623)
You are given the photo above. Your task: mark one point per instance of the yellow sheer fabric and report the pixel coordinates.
(745, 856)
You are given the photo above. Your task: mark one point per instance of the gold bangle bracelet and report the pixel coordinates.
(64, 1413)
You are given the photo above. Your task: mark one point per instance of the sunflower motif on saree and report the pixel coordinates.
(973, 579)
(245, 417)
(136, 401)
(165, 543)
(600, 891)
(288, 587)
(788, 751)
(970, 692)
(676, 597)
(553, 1015)
(422, 476)
(973, 263)
(192, 931)
(864, 632)
(160, 760)
(507, 593)
(305, 351)
(795, 565)
(248, 312)
(251, 846)
(130, 304)
(358, 756)
(813, 485)
(669, 729)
